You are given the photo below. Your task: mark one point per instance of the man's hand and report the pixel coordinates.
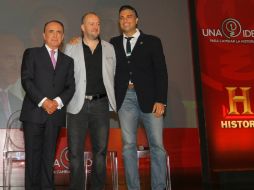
(55, 104)
(74, 40)
(158, 109)
(50, 106)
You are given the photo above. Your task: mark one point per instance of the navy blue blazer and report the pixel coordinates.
(149, 71)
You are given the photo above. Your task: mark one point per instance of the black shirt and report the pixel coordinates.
(93, 61)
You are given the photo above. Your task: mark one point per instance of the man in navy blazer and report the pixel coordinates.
(141, 93)
(47, 76)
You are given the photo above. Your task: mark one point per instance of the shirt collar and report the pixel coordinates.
(135, 35)
(87, 47)
(49, 49)
(99, 43)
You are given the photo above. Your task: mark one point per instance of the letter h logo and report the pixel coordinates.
(244, 99)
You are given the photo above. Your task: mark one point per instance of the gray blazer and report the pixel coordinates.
(108, 70)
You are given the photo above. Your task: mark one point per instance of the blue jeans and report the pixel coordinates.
(129, 116)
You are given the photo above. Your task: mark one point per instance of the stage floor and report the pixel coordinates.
(187, 179)
(182, 179)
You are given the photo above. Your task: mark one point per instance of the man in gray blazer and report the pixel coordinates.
(94, 67)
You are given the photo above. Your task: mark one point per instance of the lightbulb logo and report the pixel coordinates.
(231, 28)
(64, 159)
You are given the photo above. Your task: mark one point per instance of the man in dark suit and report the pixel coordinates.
(141, 93)
(47, 76)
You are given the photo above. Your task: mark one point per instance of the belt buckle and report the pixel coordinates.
(89, 98)
(130, 86)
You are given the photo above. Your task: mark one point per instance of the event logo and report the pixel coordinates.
(239, 114)
(231, 28)
(64, 159)
(244, 99)
(231, 31)
(62, 164)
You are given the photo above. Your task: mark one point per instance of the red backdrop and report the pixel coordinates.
(226, 55)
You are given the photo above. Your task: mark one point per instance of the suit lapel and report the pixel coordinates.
(120, 45)
(59, 60)
(103, 55)
(46, 58)
(79, 54)
(139, 43)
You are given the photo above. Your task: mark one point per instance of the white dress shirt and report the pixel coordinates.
(132, 41)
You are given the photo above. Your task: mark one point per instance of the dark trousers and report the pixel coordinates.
(40, 147)
(95, 116)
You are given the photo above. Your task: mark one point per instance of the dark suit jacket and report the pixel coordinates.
(149, 72)
(39, 79)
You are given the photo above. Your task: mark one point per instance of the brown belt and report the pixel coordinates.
(130, 86)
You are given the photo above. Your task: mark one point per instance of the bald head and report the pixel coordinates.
(89, 14)
(90, 26)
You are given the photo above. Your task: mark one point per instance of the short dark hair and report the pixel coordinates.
(88, 13)
(125, 7)
(57, 21)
